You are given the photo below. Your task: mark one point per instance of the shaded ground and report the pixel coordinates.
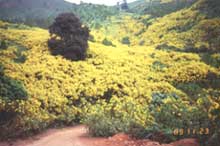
(78, 136)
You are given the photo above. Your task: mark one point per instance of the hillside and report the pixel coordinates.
(158, 75)
(41, 13)
(159, 8)
(194, 29)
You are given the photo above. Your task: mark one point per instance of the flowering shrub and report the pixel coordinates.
(119, 115)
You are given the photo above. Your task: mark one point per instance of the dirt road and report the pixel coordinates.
(74, 136)
(78, 136)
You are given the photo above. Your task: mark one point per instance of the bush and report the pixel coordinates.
(119, 115)
(126, 41)
(10, 88)
(3, 44)
(107, 42)
(69, 37)
(173, 113)
(20, 59)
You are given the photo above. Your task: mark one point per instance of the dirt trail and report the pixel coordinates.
(78, 136)
(73, 136)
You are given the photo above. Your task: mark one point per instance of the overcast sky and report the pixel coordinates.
(106, 2)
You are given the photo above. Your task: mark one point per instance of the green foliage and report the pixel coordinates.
(10, 88)
(119, 115)
(18, 26)
(211, 34)
(166, 47)
(94, 15)
(174, 113)
(148, 21)
(211, 59)
(192, 89)
(210, 8)
(41, 15)
(158, 97)
(158, 66)
(107, 42)
(126, 40)
(3, 44)
(20, 56)
(18, 50)
(20, 59)
(158, 9)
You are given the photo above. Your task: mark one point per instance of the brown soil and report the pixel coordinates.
(78, 136)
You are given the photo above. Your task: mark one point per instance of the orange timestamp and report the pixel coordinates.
(191, 131)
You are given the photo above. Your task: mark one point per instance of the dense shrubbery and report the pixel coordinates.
(157, 121)
(118, 115)
(10, 89)
(69, 37)
(188, 30)
(173, 113)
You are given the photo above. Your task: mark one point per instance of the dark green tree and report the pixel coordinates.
(69, 37)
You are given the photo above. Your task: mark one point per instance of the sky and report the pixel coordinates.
(105, 2)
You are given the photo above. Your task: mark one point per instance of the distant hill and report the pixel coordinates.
(174, 31)
(42, 12)
(159, 8)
